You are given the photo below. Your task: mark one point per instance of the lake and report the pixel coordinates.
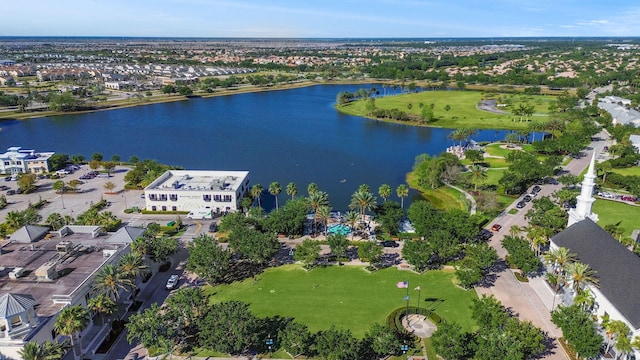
(288, 135)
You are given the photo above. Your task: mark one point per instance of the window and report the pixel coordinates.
(174, 208)
(154, 208)
(206, 197)
(163, 197)
(6, 163)
(16, 321)
(164, 208)
(153, 197)
(227, 198)
(173, 197)
(217, 198)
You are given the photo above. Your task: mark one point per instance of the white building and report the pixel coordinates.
(187, 190)
(635, 141)
(620, 110)
(585, 199)
(39, 279)
(17, 160)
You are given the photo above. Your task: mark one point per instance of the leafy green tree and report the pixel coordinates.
(275, 189)
(149, 327)
(546, 214)
(388, 216)
(289, 219)
(96, 156)
(207, 259)
(384, 341)
(579, 329)
(451, 342)
(160, 248)
(182, 311)
(417, 253)
(228, 327)
(369, 252)
(253, 245)
(488, 312)
(108, 166)
(70, 321)
(338, 244)
(296, 339)
(27, 182)
(58, 161)
(336, 344)
(475, 156)
(3, 201)
(307, 252)
(520, 254)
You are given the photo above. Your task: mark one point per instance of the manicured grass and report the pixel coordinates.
(443, 198)
(462, 112)
(613, 212)
(347, 297)
(496, 162)
(630, 171)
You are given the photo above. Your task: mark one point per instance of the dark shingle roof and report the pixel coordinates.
(618, 269)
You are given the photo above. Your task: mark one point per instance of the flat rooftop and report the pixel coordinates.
(199, 180)
(73, 269)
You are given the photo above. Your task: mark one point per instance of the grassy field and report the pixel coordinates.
(630, 171)
(443, 198)
(612, 212)
(346, 296)
(462, 108)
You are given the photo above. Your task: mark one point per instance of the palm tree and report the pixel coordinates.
(315, 200)
(514, 230)
(478, 175)
(323, 214)
(533, 127)
(580, 275)
(110, 280)
(102, 304)
(48, 350)
(256, 192)
(292, 190)
(275, 189)
(351, 218)
(537, 237)
(133, 266)
(56, 221)
(363, 200)
(402, 191)
(605, 168)
(72, 320)
(585, 299)
(384, 191)
(312, 188)
(560, 257)
(59, 187)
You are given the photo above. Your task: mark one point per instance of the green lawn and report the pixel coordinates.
(612, 212)
(347, 296)
(462, 109)
(634, 170)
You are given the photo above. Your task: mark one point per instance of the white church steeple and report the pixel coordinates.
(585, 199)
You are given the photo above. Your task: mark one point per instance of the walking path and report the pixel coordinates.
(474, 205)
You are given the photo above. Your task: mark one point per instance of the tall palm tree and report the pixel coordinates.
(72, 320)
(580, 275)
(515, 230)
(312, 188)
(402, 191)
(15, 219)
(478, 175)
(323, 214)
(363, 200)
(537, 238)
(585, 299)
(133, 266)
(110, 280)
(384, 191)
(351, 218)
(256, 192)
(315, 200)
(275, 189)
(102, 304)
(292, 190)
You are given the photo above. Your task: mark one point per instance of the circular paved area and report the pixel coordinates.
(418, 325)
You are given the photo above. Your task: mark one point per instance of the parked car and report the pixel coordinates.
(496, 227)
(389, 243)
(213, 227)
(605, 194)
(11, 192)
(4, 187)
(8, 178)
(172, 283)
(521, 204)
(527, 198)
(627, 198)
(484, 235)
(536, 189)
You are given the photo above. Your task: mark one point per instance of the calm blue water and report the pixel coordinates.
(291, 135)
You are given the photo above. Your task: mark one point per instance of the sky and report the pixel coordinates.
(321, 18)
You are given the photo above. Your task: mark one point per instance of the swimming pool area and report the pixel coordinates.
(340, 229)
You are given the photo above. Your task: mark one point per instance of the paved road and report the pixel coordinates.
(533, 301)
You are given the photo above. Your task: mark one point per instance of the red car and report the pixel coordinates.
(496, 227)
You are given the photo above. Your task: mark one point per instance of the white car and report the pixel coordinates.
(172, 283)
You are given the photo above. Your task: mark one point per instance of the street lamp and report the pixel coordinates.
(269, 342)
(404, 349)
